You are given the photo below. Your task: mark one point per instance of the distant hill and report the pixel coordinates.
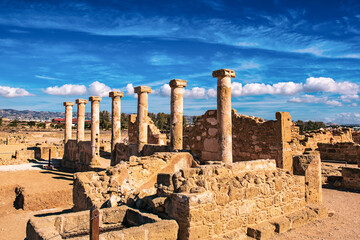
(27, 115)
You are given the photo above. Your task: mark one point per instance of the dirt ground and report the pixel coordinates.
(43, 189)
(344, 225)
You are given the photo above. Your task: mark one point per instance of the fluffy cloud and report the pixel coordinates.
(322, 84)
(67, 89)
(281, 88)
(129, 89)
(347, 118)
(165, 90)
(10, 92)
(313, 99)
(195, 92)
(349, 98)
(100, 89)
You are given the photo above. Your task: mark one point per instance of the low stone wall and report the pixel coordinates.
(356, 136)
(310, 140)
(124, 151)
(77, 155)
(127, 222)
(221, 202)
(347, 151)
(154, 134)
(42, 152)
(350, 178)
(252, 137)
(24, 154)
(126, 181)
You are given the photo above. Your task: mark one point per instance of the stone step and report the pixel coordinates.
(267, 229)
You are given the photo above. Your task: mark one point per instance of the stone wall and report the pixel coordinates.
(356, 136)
(253, 137)
(77, 155)
(127, 223)
(154, 134)
(126, 181)
(219, 202)
(42, 152)
(350, 178)
(347, 151)
(309, 140)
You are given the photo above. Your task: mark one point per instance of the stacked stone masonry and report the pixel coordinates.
(220, 202)
(348, 152)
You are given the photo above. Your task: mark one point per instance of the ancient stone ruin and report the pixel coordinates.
(229, 176)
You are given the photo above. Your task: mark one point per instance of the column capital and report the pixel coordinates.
(223, 73)
(114, 94)
(68, 104)
(95, 98)
(177, 83)
(142, 89)
(81, 101)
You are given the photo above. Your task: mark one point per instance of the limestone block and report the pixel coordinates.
(282, 224)
(261, 231)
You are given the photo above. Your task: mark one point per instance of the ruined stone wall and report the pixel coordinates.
(124, 151)
(253, 138)
(310, 140)
(77, 155)
(347, 151)
(216, 202)
(350, 178)
(42, 152)
(154, 134)
(356, 136)
(127, 180)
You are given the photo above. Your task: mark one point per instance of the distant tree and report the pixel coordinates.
(31, 123)
(196, 118)
(14, 123)
(40, 125)
(105, 122)
(87, 125)
(124, 121)
(309, 125)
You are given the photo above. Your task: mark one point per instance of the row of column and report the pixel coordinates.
(177, 85)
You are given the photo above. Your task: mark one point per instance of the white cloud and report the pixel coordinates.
(129, 90)
(281, 88)
(354, 104)
(322, 84)
(248, 65)
(67, 89)
(195, 92)
(211, 93)
(165, 90)
(347, 118)
(314, 99)
(100, 89)
(45, 77)
(316, 50)
(349, 98)
(10, 92)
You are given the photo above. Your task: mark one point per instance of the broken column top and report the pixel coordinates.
(141, 89)
(95, 98)
(68, 104)
(224, 73)
(80, 101)
(116, 94)
(177, 83)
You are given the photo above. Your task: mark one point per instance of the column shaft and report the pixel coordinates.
(142, 112)
(224, 114)
(177, 106)
(80, 135)
(68, 120)
(95, 130)
(116, 121)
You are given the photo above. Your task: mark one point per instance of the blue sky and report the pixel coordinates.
(301, 57)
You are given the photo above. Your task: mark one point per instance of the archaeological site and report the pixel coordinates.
(227, 176)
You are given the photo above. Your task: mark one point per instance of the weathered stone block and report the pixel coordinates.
(282, 224)
(261, 231)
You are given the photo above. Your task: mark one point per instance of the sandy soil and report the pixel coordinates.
(44, 189)
(344, 225)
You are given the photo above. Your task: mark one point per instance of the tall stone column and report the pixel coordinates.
(80, 136)
(177, 107)
(95, 130)
(142, 112)
(116, 120)
(68, 120)
(224, 113)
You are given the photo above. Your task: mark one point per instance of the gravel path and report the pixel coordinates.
(27, 166)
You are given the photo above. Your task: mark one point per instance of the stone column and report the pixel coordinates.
(80, 136)
(116, 120)
(95, 130)
(224, 113)
(142, 112)
(68, 120)
(177, 106)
